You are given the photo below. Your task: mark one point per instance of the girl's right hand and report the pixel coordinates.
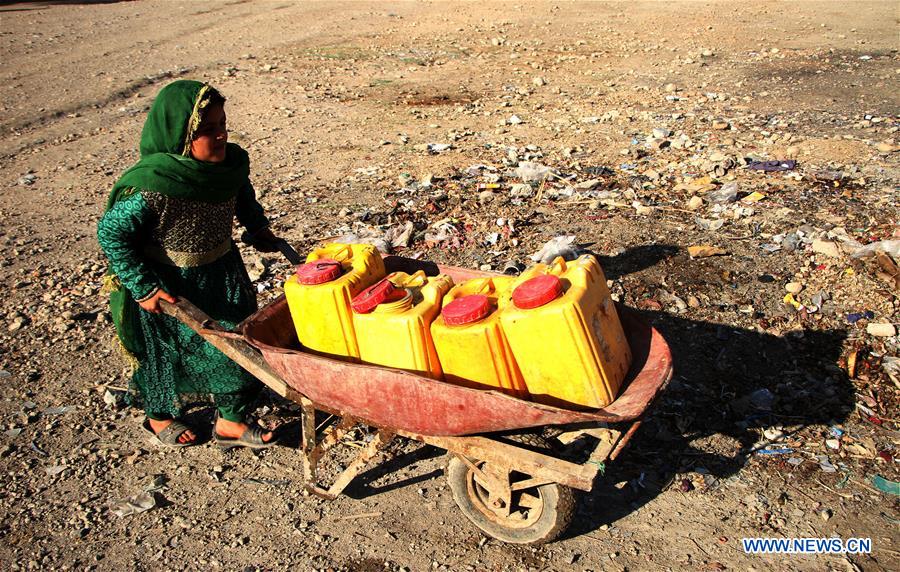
(151, 304)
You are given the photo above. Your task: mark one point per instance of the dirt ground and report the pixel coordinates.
(374, 118)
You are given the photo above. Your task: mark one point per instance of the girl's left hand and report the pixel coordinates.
(264, 240)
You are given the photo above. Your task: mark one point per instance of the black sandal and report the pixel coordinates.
(169, 436)
(252, 438)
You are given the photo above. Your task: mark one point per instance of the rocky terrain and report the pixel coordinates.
(733, 166)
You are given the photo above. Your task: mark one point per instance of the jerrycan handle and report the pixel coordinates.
(417, 279)
(483, 286)
(403, 280)
(558, 266)
(342, 253)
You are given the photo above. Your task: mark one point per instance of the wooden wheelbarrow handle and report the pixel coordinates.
(231, 344)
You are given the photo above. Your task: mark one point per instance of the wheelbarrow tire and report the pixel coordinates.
(555, 511)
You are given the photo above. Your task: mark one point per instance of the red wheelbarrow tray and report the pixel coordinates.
(399, 400)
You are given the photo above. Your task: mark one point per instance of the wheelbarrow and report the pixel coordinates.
(513, 464)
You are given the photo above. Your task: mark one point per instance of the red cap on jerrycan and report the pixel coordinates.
(319, 271)
(368, 299)
(466, 310)
(537, 291)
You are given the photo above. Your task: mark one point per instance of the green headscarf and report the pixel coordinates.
(166, 167)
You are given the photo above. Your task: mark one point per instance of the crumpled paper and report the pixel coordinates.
(135, 504)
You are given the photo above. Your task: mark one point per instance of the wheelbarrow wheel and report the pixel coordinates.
(536, 515)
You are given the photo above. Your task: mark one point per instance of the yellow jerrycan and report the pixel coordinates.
(319, 295)
(392, 320)
(469, 339)
(565, 334)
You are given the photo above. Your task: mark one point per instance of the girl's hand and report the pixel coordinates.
(264, 240)
(151, 304)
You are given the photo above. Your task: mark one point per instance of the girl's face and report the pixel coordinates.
(209, 141)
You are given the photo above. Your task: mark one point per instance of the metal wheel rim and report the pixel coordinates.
(480, 496)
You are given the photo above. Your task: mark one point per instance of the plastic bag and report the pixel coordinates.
(556, 246)
(889, 247)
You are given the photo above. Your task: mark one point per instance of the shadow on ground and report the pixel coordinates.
(729, 383)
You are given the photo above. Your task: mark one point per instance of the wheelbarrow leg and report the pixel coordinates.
(308, 440)
(312, 451)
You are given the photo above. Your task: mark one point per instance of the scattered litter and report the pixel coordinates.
(772, 166)
(59, 410)
(686, 486)
(38, 450)
(705, 185)
(533, 172)
(557, 246)
(13, 433)
(727, 193)
(886, 486)
(439, 147)
(762, 399)
(792, 301)
(370, 171)
(638, 483)
(857, 316)
(26, 180)
(443, 233)
(513, 268)
(141, 502)
(157, 483)
(477, 169)
(773, 434)
(889, 247)
(719, 164)
(707, 224)
(891, 366)
(521, 191)
(54, 470)
(775, 451)
(399, 236)
(599, 171)
(753, 197)
(843, 482)
(704, 251)
(825, 464)
(795, 461)
(114, 397)
(4, 374)
(268, 482)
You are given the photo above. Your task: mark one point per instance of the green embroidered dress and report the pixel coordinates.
(168, 226)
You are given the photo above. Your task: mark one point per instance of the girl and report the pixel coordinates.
(167, 233)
